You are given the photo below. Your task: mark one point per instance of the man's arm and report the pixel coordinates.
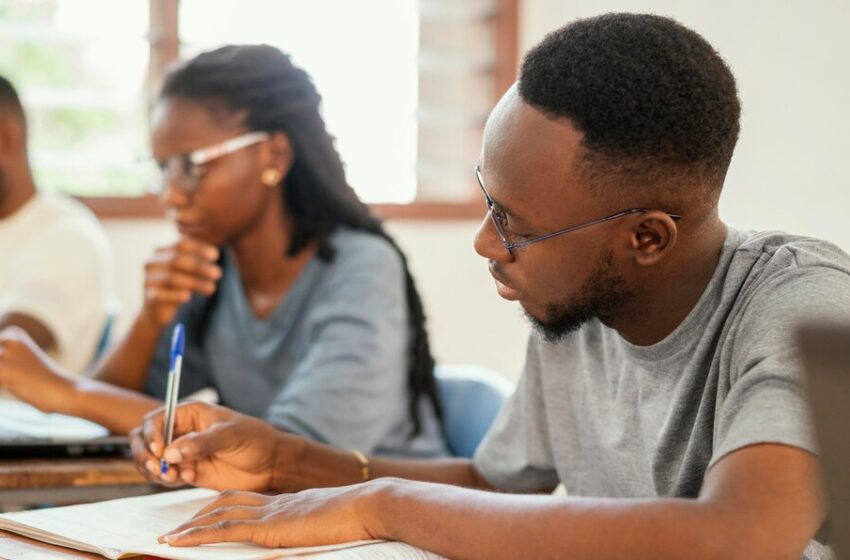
(219, 448)
(38, 331)
(761, 502)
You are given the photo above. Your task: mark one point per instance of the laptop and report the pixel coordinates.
(27, 433)
(826, 358)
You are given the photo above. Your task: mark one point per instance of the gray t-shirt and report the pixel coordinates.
(610, 419)
(329, 363)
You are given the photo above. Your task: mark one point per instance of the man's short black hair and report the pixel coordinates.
(654, 100)
(9, 100)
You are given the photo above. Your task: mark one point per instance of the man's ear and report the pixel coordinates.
(653, 237)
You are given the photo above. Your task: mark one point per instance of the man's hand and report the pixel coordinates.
(29, 374)
(214, 447)
(174, 273)
(311, 517)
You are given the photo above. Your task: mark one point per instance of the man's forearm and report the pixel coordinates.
(461, 523)
(322, 466)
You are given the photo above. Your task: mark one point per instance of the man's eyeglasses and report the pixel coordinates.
(184, 170)
(513, 241)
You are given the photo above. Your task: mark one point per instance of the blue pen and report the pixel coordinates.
(173, 388)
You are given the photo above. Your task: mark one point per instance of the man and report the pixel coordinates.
(55, 260)
(660, 386)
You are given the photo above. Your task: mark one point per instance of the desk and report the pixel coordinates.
(67, 481)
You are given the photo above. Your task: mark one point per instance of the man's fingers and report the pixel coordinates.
(152, 428)
(227, 513)
(233, 498)
(221, 531)
(197, 446)
(141, 454)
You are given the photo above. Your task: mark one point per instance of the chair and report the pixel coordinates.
(113, 308)
(471, 398)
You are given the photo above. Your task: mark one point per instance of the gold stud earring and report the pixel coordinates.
(270, 177)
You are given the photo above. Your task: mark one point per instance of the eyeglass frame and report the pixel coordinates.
(538, 238)
(200, 157)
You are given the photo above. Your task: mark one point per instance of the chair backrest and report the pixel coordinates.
(113, 308)
(471, 398)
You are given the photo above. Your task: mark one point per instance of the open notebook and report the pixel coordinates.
(129, 527)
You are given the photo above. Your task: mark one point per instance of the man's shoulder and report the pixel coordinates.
(783, 278)
(63, 221)
(780, 250)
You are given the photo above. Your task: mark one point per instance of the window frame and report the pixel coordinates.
(165, 48)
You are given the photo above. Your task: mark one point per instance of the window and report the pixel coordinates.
(362, 58)
(406, 85)
(83, 85)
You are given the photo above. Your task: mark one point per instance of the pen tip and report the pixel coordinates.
(163, 466)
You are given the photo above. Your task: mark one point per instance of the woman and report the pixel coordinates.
(299, 308)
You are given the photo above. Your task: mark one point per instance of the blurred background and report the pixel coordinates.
(407, 86)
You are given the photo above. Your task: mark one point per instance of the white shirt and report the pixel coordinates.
(56, 266)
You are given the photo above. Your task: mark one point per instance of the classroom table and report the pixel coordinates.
(26, 482)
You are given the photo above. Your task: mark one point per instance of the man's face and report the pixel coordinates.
(528, 168)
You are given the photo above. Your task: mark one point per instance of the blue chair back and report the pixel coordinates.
(471, 398)
(112, 311)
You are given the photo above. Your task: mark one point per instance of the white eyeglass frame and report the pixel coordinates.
(187, 178)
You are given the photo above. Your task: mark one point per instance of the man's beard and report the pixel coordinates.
(602, 295)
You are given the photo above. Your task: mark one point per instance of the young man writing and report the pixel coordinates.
(660, 387)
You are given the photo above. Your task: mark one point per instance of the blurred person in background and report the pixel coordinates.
(55, 259)
(299, 308)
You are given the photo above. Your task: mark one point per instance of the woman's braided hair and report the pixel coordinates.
(277, 96)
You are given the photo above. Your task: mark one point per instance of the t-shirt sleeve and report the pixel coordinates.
(65, 286)
(350, 388)
(767, 401)
(516, 454)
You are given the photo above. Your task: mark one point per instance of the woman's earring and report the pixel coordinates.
(270, 177)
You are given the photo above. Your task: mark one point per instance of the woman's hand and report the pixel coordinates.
(30, 375)
(214, 447)
(174, 273)
(311, 517)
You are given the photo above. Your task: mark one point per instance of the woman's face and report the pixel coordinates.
(232, 191)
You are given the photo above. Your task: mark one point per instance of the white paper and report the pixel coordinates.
(19, 418)
(117, 528)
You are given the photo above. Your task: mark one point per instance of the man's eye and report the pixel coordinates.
(500, 217)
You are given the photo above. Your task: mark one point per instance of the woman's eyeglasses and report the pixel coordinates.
(184, 170)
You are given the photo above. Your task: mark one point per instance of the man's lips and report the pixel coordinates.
(502, 286)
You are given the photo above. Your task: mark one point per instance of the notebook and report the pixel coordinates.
(26, 432)
(826, 358)
(129, 527)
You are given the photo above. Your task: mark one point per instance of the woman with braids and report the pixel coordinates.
(299, 308)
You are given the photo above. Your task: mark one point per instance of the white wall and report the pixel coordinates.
(790, 168)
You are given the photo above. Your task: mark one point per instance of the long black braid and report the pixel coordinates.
(277, 96)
